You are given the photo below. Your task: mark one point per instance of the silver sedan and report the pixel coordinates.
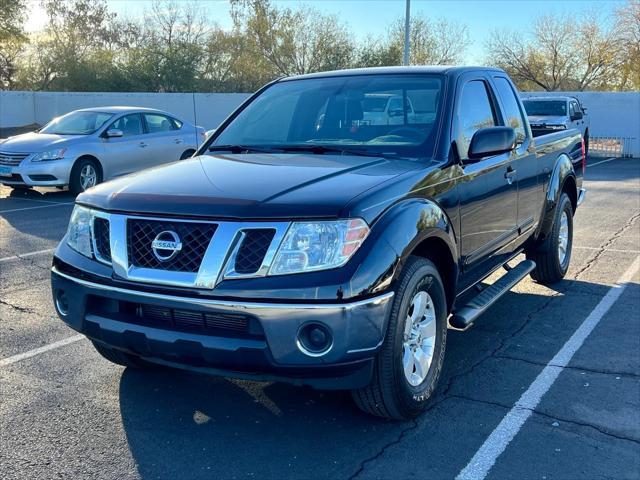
(85, 147)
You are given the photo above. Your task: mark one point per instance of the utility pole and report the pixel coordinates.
(407, 26)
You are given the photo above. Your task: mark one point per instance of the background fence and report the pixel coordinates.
(614, 117)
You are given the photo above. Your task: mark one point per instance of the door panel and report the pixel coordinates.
(166, 142)
(128, 153)
(524, 159)
(488, 194)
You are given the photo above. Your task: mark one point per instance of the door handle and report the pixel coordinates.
(177, 140)
(143, 145)
(510, 174)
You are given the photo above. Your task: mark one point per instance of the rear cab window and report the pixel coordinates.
(513, 115)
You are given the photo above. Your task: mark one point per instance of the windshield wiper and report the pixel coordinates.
(239, 149)
(322, 149)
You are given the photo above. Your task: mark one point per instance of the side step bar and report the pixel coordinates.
(464, 316)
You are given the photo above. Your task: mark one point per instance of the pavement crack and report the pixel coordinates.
(397, 440)
(551, 417)
(603, 248)
(582, 369)
(17, 307)
(403, 433)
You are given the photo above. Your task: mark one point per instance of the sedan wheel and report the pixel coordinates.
(88, 176)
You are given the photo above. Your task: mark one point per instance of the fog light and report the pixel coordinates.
(62, 303)
(314, 339)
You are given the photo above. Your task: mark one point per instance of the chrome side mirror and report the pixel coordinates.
(114, 133)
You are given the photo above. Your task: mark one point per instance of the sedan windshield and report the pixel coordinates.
(545, 107)
(77, 123)
(345, 114)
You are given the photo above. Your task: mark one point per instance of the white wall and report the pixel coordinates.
(611, 114)
(205, 109)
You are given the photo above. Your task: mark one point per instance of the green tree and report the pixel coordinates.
(12, 40)
(293, 41)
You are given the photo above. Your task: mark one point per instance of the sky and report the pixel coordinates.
(366, 17)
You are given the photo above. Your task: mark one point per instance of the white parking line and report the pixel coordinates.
(26, 255)
(508, 428)
(33, 208)
(30, 199)
(37, 351)
(589, 165)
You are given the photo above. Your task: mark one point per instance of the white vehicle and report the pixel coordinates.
(85, 147)
(551, 113)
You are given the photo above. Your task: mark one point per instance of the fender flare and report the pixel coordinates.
(562, 172)
(397, 233)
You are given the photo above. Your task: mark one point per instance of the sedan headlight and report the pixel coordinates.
(50, 155)
(79, 231)
(310, 246)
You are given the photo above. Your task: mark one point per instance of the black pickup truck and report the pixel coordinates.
(315, 241)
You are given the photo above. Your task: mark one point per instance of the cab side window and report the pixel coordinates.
(474, 112)
(514, 117)
(129, 124)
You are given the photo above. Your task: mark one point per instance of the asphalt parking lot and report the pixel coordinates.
(67, 413)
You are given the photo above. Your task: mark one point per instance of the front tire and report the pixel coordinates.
(554, 255)
(408, 365)
(187, 154)
(86, 173)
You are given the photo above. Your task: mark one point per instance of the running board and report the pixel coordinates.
(464, 316)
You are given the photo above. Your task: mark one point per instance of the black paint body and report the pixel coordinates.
(475, 215)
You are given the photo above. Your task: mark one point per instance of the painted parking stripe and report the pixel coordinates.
(589, 165)
(37, 351)
(508, 428)
(33, 208)
(26, 255)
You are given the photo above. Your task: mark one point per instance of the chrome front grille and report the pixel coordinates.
(195, 238)
(12, 159)
(204, 253)
(253, 248)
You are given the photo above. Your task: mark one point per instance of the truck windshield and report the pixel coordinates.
(348, 113)
(76, 123)
(545, 107)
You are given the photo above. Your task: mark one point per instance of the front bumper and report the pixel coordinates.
(40, 174)
(269, 352)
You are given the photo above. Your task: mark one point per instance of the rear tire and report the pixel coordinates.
(121, 358)
(401, 389)
(186, 154)
(551, 262)
(83, 171)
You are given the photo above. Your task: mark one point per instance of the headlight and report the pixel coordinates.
(310, 246)
(79, 231)
(50, 155)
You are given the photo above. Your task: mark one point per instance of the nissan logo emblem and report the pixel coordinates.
(166, 245)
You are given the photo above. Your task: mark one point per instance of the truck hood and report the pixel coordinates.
(34, 142)
(248, 186)
(548, 119)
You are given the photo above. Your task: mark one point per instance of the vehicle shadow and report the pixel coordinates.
(183, 425)
(48, 194)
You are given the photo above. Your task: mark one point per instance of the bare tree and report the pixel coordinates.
(628, 26)
(560, 53)
(432, 42)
